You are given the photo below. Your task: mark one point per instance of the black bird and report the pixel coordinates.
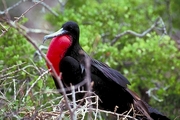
(67, 56)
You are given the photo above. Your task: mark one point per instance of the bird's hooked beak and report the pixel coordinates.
(58, 33)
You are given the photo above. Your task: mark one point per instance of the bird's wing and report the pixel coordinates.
(110, 73)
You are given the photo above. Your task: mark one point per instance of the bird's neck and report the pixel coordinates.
(74, 51)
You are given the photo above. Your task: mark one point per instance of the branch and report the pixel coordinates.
(149, 92)
(34, 1)
(27, 92)
(49, 8)
(31, 30)
(156, 23)
(3, 30)
(18, 18)
(12, 7)
(62, 5)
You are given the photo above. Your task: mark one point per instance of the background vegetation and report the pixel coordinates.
(150, 62)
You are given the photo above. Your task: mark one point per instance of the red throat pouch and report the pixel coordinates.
(57, 50)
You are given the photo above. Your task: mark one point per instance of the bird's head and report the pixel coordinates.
(68, 28)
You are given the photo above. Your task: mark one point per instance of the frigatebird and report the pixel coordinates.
(67, 57)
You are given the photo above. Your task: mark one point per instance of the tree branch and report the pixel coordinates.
(11, 7)
(34, 1)
(156, 23)
(49, 8)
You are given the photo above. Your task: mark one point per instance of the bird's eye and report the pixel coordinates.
(71, 29)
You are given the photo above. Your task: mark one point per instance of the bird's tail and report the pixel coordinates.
(139, 105)
(145, 109)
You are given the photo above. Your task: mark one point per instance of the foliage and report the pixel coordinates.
(149, 63)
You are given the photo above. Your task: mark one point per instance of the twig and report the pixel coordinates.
(73, 114)
(12, 7)
(8, 74)
(62, 4)
(21, 87)
(5, 7)
(134, 33)
(34, 1)
(128, 112)
(49, 8)
(15, 91)
(149, 92)
(113, 113)
(37, 31)
(3, 30)
(18, 18)
(27, 92)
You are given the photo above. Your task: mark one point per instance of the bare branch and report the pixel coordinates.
(73, 114)
(11, 67)
(156, 23)
(3, 30)
(27, 92)
(12, 7)
(5, 7)
(149, 92)
(49, 8)
(62, 5)
(18, 18)
(37, 31)
(22, 1)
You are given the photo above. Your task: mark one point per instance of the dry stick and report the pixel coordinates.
(3, 30)
(88, 78)
(12, 7)
(113, 113)
(5, 7)
(34, 1)
(83, 99)
(37, 31)
(8, 77)
(7, 17)
(97, 103)
(18, 18)
(88, 72)
(27, 92)
(74, 102)
(15, 91)
(134, 33)
(8, 74)
(21, 87)
(62, 5)
(128, 113)
(48, 8)
(163, 28)
(150, 93)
